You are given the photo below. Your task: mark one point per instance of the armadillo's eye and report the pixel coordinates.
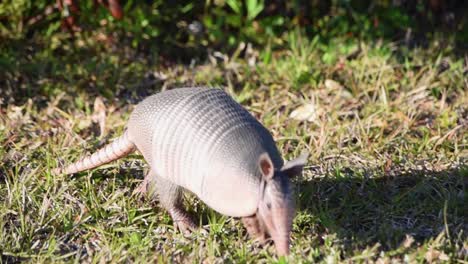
(268, 205)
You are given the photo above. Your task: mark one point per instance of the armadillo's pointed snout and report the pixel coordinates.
(282, 245)
(278, 225)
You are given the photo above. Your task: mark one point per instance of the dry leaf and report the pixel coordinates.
(444, 257)
(333, 85)
(432, 254)
(409, 240)
(99, 115)
(307, 112)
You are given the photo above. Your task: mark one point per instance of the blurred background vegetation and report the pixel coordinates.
(34, 45)
(222, 24)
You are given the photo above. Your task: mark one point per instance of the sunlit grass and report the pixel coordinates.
(386, 132)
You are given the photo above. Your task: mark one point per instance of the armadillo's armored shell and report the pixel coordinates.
(203, 140)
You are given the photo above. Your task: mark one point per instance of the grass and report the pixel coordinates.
(386, 127)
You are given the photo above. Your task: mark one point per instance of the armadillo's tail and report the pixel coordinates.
(119, 148)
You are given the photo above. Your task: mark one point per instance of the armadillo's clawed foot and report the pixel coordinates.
(185, 227)
(254, 229)
(183, 221)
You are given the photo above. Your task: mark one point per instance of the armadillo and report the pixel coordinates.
(202, 140)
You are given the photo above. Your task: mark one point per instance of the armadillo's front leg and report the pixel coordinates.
(254, 228)
(170, 196)
(142, 189)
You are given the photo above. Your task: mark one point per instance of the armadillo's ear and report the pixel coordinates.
(294, 167)
(266, 166)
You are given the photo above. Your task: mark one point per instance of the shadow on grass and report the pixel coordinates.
(363, 211)
(32, 70)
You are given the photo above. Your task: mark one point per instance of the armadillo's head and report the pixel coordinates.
(276, 207)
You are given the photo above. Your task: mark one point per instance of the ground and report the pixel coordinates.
(385, 125)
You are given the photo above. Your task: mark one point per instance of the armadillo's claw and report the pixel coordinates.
(182, 220)
(186, 227)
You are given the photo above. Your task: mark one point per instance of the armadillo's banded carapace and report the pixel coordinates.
(204, 141)
(119, 148)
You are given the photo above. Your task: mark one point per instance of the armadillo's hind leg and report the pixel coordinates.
(255, 229)
(170, 197)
